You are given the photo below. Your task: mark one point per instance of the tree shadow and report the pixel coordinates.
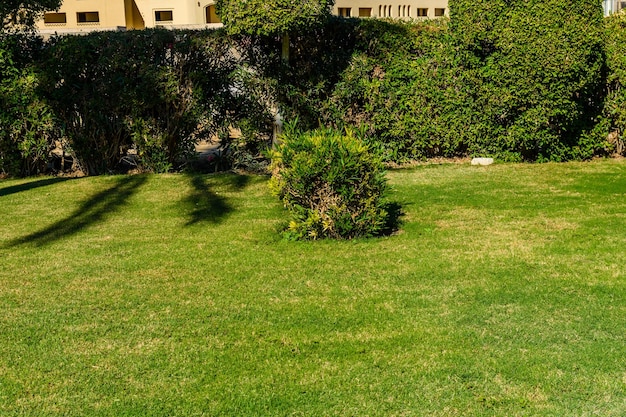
(237, 182)
(14, 189)
(94, 210)
(207, 205)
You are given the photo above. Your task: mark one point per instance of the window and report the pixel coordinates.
(384, 11)
(163, 16)
(440, 12)
(422, 12)
(365, 12)
(88, 17)
(211, 15)
(54, 18)
(345, 11)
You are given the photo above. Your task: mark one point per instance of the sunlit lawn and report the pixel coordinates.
(503, 294)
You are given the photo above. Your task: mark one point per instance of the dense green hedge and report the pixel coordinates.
(613, 121)
(27, 124)
(526, 84)
(139, 97)
(533, 81)
(156, 91)
(537, 72)
(386, 78)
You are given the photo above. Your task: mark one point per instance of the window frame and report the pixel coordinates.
(158, 18)
(55, 22)
(83, 18)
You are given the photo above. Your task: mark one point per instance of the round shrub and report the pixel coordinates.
(331, 183)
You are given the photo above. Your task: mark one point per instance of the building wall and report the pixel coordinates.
(88, 15)
(408, 9)
(128, 14)
(134, 18)
(613, 6)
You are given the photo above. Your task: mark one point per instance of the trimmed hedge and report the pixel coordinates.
(525, 82)
(138, 97)
(532, 81)
(536, 75)
(157, 91)
(613, 122)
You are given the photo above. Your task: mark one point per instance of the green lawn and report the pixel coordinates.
(504, 294)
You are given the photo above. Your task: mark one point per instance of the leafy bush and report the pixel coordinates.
(395, 81)
(535, 73)
(88, 82)
(27, 125)
(395, 87)
(331, 183)
(158, 91)
(519, 81)
(613, 122)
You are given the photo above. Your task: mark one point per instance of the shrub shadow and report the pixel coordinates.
(94, 210)
(208, 206)
(31, 185)
(394, 219)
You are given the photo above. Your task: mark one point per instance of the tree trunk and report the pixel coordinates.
(278, 118)
(285, 54)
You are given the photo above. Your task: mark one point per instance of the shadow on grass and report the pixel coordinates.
(14, 189)
(208, 206)
(92, 211)
(394, 219)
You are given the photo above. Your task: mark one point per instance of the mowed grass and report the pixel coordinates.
(504, 294)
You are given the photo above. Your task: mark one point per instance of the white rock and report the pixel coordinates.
(482, 161)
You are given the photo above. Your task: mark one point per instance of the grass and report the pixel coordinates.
(504, 294)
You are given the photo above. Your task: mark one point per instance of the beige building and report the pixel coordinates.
(88, 15)
(408, 9)
(613, 6)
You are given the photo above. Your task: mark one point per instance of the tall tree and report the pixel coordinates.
(22, 14)
(273, 17)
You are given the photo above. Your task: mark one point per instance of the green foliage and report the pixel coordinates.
(613, 122)
(261, 17)
(27, 125)
(535, 73)
(157, 91)
(394, 87)
(394, 81)
(496, 80)
(507, 86)
(331, 183)
(86, 82)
